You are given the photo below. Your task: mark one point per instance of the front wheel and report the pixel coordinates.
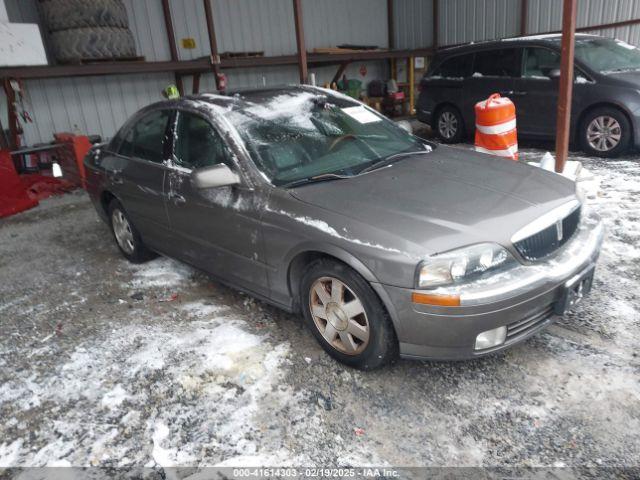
(346, 316)
(605, 132)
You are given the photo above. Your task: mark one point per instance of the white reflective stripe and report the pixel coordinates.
(497, 129)
(509, 152)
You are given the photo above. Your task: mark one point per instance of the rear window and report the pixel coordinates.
(455, 67)
(496, 63)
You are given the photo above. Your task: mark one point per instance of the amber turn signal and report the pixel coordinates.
(435, 299)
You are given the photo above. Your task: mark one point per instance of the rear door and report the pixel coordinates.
(494, 71)
(216, 229)
(446, 84)
(137, 175)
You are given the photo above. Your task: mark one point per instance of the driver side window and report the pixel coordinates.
(198, 144)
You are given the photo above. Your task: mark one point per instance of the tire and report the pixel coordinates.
(613, 124)
(374, 343)
(449, 115)
(92, 44)
(67, 14)
(133, 250)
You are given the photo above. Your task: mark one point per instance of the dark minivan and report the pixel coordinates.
(605, 118)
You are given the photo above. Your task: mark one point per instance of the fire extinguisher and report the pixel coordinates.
(221, 80)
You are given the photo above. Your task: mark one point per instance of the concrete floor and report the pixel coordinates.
(105, 363)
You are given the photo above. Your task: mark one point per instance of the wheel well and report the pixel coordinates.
(105, 199)
(296, 270)
(595, 106)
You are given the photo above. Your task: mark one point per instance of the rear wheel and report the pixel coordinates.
(127, 237)
(605, 132)
(449, 126)
(346, 316)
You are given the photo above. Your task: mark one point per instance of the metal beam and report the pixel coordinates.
(213, 42)
(391, 28)
(302, 49)
(196, 83)
(569, 15)
(171, 37)
(339, 73)
(14, 139)
(524, 14)
(203, 65)
(436, 24)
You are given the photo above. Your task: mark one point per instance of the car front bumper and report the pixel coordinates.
(523, 299)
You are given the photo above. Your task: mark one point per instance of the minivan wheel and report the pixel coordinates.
(346, 316)
(127, 237)
(605, 132)
(449, 126)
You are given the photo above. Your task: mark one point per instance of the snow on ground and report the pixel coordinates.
(104, 363)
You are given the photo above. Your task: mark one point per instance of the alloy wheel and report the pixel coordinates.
(448, 125)
(604, 133)
(122, 231)
(339, 315)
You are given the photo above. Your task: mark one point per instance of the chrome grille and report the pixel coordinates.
(547, 241)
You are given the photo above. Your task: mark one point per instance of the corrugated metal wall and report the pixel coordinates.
(100, 105)
(546, 15)
(473, 20)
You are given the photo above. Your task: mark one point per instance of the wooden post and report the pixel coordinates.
(436, 24)
(213, 41)
(302, 49)
(171, 36)
(524, 13)
(569, 14)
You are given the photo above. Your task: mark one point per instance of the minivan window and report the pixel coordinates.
(539, 62)
(146, 138)
(496, 63)
(607, 56)
(456, 67)
(197, 143)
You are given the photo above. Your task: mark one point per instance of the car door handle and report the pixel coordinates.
(506, 92)
(177, 198)
(116, 177)
(520, 93)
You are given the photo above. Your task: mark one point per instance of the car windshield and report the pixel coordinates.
(608, 56)
(303, 134)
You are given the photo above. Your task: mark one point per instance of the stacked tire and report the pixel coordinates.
(87, 30)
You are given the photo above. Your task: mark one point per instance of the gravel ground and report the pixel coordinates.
(107, 364)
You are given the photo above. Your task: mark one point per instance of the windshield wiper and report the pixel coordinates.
(325, 177)
(387, 160)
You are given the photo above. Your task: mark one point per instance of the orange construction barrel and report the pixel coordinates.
(496, 127)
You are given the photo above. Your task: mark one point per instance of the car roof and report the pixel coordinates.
(543, 39)
(239, 98)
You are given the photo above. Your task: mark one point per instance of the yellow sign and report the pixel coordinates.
(188, 43)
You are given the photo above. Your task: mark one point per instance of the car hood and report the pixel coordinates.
(444, 199)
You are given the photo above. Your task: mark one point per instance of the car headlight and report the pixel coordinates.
(461, 265)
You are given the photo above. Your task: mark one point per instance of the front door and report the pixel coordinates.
(536, 97)
(137, 176)
(216, 229)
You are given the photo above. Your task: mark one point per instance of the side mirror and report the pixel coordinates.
(554, 74)
(406, 126)
(215, 176)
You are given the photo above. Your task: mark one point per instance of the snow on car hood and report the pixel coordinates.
(445, 199)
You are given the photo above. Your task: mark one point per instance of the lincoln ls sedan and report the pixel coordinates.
(386, 244)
